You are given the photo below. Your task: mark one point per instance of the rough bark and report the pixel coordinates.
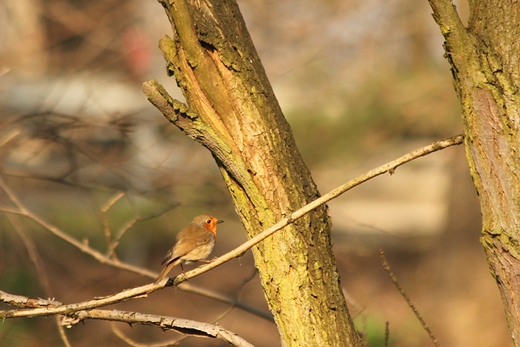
(231, 109)
(484, 57)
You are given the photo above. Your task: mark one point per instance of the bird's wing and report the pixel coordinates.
(184, 243)
(169, 256)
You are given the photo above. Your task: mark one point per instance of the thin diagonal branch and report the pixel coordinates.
(386, 168)
(406, 298)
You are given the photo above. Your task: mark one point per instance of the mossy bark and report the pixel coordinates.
(231, 109)
(485, 61)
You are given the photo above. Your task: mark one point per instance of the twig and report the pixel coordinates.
(134, 343)
(40, 270)
(10, 135)
(246, 281)
(106, 227)
(22, 210)
(405, 296)
(128, 340)
(387, 333)
(23, 301)
(33, 253)
(130, 223)
(61, 330)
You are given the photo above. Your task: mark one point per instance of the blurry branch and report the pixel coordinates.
(133, 343)
(405, 296)
(247, 280)
(32, 250)
(82, 246)
(387, 333)
(63, 336)
(40, 269)
(188, 287)
(386, 168)
(130, 223)
(10, 136)
(239, 290)
(106, 227)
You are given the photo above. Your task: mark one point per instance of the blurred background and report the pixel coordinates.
(361, 82)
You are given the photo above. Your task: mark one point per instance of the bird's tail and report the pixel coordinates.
(165, 271)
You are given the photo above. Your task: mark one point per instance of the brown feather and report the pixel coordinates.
(193, 243)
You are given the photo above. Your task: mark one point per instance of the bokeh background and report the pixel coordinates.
(361, 82)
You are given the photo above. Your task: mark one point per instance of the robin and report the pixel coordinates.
(193, 243)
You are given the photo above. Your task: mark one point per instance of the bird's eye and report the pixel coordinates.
(208, 221)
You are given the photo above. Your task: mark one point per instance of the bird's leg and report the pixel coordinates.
(182, 269)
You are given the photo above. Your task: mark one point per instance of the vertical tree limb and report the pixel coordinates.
(231, 109)
(484, 61)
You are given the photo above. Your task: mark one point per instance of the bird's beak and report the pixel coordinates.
(220, 221)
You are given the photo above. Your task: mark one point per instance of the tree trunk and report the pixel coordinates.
(231, 109)
(485, 65)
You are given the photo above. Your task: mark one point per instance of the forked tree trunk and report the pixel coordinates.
(485, 60)
(231, 109)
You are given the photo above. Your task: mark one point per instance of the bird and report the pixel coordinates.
(193, 243)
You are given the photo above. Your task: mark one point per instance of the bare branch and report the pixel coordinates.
(22, 210)
(33, 253)
(23, 301)
(106, 227)
(186, 286)
(40, 270)
(63, 336)
(130, 223)
(387, 333)
(445, 14)
(183, 326)
(129, 341)
(133, 343)
(125, 295)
